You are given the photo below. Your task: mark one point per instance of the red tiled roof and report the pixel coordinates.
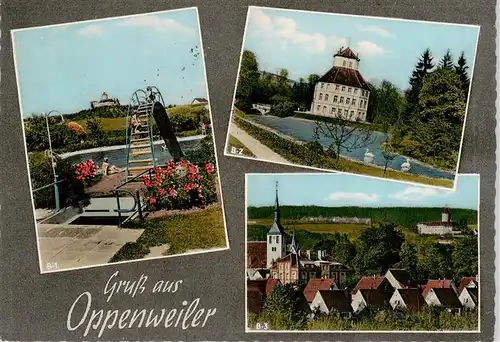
(315, 285)
(433, 284)
(412, 298)
(448, 298)
(368, 283)
(466, 281)
(348, 53)
(255, 300)
(439, 223)
(256, 254)
(263, 285)
(345, 76)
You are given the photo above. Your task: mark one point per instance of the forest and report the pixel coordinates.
(423, 121)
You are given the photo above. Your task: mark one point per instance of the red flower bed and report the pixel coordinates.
(180, 185)
(85, 171)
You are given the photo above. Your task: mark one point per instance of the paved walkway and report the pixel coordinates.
(71, 246)
(258, 149)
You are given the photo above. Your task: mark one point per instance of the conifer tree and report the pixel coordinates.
(461, 70)
(446, 62)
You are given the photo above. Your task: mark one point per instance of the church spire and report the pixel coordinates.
(277, 216)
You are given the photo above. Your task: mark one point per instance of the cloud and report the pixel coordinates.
(165, 25)
(357, 196)
(285, 31)
(377, 30)
(369, 49)
(412, 193)
(91, 30)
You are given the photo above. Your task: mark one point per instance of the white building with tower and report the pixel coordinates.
(342, 91)
(443, 227)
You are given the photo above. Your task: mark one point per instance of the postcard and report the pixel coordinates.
(117, 127)
(335, 252)
(380, 97)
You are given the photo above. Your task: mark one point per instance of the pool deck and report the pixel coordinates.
(108, 184)
(65, 247)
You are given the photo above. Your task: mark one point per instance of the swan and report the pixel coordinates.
(406, 165)
(368, 156)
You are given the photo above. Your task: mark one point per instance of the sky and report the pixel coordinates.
(64, 67)
(338, 190)
(304, 43)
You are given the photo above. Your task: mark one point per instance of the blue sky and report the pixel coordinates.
(304, 43)
(64, 67)
(337, 190)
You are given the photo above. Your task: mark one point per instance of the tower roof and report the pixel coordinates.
(276, 227)
(347, 53)
(345, 76)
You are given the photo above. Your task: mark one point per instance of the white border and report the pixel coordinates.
(344, 172)
(247, 330)
(26, 149)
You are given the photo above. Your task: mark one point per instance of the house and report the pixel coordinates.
(332, 301)
(443, 227)
(442, 284)
(198, 100)
(369, 298)
(400, 278)
(318, 284)
(275, 78)
(470, 282)
(256, 259)
(104, 101)
(257, 292)
(469, 298)
(288, 264)
(444, 297)
(407, 299)
(374, 283)
(342, 92)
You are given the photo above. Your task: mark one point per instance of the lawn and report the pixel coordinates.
(233, 142)
(108, 124)
(198, 230)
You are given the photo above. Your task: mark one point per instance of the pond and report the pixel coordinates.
(303, 130)
(118, 157)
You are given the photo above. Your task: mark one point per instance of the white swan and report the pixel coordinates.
(405, 167)
(368, 156)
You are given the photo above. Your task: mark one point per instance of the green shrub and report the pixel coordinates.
(283, 109)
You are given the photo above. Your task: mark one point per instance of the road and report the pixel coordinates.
(256, 147)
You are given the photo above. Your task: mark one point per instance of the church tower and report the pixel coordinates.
(276, 244)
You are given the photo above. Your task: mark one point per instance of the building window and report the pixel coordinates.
(326, 97)
(355, 90)
(343, 88)
(337, 87)
(334, 110)
(270, 239)
(352, 113)
(346, 112)
(274, 249)
(349, 89)
(359, 113)
(320, 96)
(353, 102)
(347, 100)
(341, 99)
(318, 107)
(277, 239)
(312, 275)
(324, 109)
(343, 63)
(335, 98)
(327, 85)
(321, 85)
(350, 64)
